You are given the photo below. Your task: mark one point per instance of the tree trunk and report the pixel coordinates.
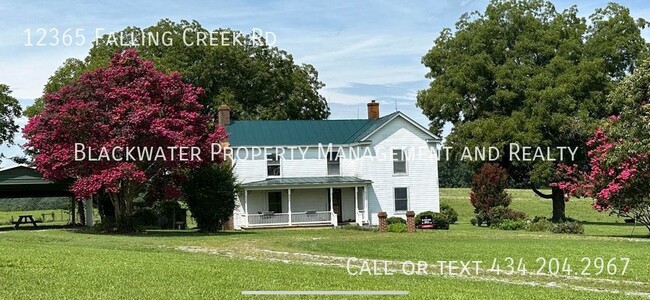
(82, 214)
(558, 205)
(557, 196)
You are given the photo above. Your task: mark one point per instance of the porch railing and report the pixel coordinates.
(297, 218)
(361, 217)
(270, 219)
(311, 217)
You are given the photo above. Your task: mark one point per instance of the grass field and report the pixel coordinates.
(188, 265)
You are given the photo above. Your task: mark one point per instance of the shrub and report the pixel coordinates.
(497, 215)
(440, 221)
(473, 221)
(568, 227)
(482, 218)
(488, 188)
(424, 213)
(146, 217)
(395, 220)
(512, 225)
(451, 214)
(210, 194)
(540, 224)
(445, 209)
(397, 227)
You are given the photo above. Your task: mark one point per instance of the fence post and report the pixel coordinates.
(410, 221)
(383, 223)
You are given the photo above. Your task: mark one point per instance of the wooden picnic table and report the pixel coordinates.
(25, 219)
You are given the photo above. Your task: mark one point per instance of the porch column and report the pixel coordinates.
(331, 199)
(289, 204)
(89, 212)
(246, 206)
(356, 205)
(365, 204)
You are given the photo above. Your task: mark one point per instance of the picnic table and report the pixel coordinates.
(25, 219)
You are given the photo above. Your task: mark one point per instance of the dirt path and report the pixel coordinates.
(351, 264)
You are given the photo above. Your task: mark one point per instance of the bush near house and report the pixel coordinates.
(445, 210)
(210, 194)
(440, 221)
(395, 220)
(571, 226)
(568, 227)
(451, 214)
(490, 199)
(512, 225)
(397, 227)
(489, 188)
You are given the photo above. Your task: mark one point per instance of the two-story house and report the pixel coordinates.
(328, 172)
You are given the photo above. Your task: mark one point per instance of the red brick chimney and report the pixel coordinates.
(224, 115)
(373, 110)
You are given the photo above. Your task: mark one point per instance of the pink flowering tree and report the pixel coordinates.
(618, 178)
(127, 104)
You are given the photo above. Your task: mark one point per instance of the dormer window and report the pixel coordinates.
(273, 165)
(333, 163)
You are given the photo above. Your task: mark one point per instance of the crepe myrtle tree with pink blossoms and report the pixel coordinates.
(128, 104)
(618, 174)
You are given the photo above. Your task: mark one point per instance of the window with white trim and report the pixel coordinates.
(399, 161)
(273, 165)
(401, 199)
(333, 163)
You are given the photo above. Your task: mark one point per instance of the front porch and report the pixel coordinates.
(304, 201)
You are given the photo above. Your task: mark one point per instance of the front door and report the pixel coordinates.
(337, 204)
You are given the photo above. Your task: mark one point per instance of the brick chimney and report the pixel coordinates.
(373, 110)
(224, 115)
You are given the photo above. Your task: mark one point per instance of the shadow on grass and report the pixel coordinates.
(607, 223)
(636, 235)
(163, 233)
(25, 227)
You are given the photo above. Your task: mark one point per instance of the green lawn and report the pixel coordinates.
(182, 264)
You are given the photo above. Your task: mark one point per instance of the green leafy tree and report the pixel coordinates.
(523, 72)
(9, 112)
(71, 69)
(258, 81)
(453, 173)
(210, 194)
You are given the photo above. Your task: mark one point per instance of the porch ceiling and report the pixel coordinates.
(307, 181)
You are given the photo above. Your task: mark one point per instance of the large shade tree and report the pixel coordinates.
(9, 112)
(618, 177)
(524, 72)
(258, 81)
(126, 104)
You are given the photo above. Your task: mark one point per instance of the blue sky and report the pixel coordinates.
(362, 49)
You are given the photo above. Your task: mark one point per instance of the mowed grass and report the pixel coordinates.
(79, 265)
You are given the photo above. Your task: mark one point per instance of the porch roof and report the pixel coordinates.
(307, 181)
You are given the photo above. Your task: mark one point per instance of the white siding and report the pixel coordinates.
(421, 179)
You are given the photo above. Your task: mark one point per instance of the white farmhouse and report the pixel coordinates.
(328, 172)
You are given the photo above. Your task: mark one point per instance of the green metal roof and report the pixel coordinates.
(23, 181)
(21, 175)
(318, 181)
(301, 132)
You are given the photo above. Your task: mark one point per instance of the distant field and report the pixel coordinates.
(189, 265)
(527, 201)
